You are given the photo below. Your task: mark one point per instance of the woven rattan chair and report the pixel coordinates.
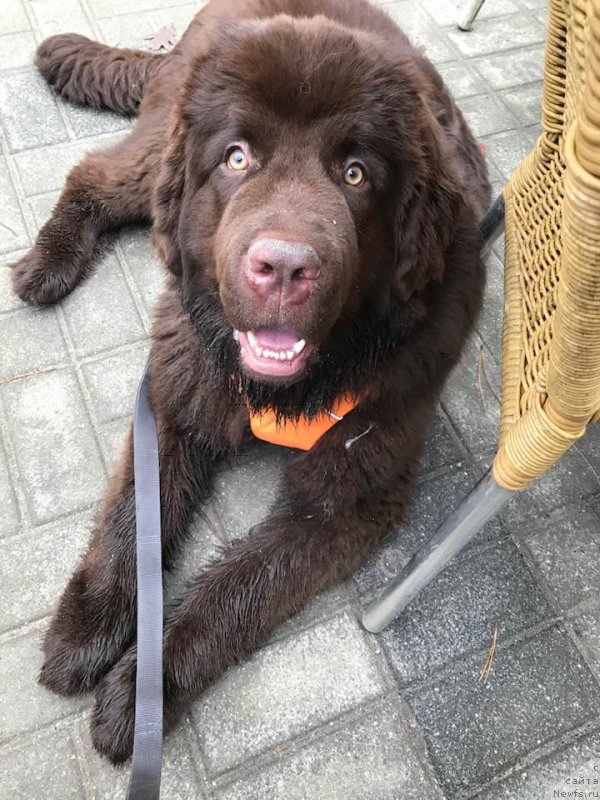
(551, 339)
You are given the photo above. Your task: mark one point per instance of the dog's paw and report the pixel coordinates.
(39, 284)
(70, 669)
(113, 717)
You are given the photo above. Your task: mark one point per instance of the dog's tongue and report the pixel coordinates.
(278, 338)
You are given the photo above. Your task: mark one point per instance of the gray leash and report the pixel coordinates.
(144, 783)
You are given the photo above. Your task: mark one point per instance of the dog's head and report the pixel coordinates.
(304, 173)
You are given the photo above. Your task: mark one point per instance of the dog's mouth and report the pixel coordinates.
(273, 352)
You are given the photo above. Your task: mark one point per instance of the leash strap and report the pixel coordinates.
(144, 782)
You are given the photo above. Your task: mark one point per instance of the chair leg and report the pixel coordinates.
(466, 22)
(481, 505)
(492, 224)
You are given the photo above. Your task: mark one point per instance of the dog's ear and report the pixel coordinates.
(168, 193)
(427, 212)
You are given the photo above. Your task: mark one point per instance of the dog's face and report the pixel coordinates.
(307, 174)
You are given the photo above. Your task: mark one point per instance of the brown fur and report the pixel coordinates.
(308, 83)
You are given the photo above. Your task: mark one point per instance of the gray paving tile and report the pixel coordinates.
(101, 313)
(513, 68)
(486, 115)
(448, 12)
(288, 687)
(589, 446)
(8, 299)
(462, 80)
(28, 111)
(566, 547)
(554, 775)
(17, 50)
(373, 759)
(127, 30)
(178, 778)
(35, 568)
(432, 502)
(109, 8)
(180, 16)
(458, 612)
(502, 33)
(42, 206)
(587, 629)
(537, 690)
(13, 232)
(14, 18)
(43, 768)
(92, 122)
(441, 448)
(45, 168)
(24, 705)
(525, 102)
(58, 16)
(507, 150)
(112, 437)
(10, 518)
(144, 265)
(491, 317)
(112, 382)
(31, 341)
(56, 452)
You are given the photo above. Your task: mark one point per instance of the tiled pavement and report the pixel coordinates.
(324, 711)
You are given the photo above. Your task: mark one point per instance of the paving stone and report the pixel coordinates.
(144, 266)
(128, 30)
(113, 381)
(45, 168)
(569, 482)
(31, 340)
(42, 206)
(245, 488)
(507, 150)
(101, 313)
(56, 451)
(57, 16)
(14, 18)
(486, 115)
(462, 80)
(525, 102)
(200, 548)
(112, 440)
(589, 446)
(288, 687)
(457, 613)
(587, 628)
(27, 775)
(13, 232)
(180, 17)
(35, 568)
(566, 547)
(17, 50)
(441, 448)
(28, 111)
(502, 33)
(471, 398)
(513, 68)
(109, 8)
(178, 782)
(491, 317)
(26, 706)
(373, 759)
(537, 690)
(8, 299)
(9, 519)
(554, 775)
(92, 121)
(448, 12)
(432, 502)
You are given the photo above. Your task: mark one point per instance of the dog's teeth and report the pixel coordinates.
(289, 355)
(299, 346)
(236, 336)
(259, 351)
(251, 339)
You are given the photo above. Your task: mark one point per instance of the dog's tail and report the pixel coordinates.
(92, 74)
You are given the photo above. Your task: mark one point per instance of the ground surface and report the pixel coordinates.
(324, 711)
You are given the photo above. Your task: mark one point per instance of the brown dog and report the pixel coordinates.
(315, 194)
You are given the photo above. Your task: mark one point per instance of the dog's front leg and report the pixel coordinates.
(95, 619)
(337, 500)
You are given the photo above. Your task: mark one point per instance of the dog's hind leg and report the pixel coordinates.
(107, 190)
(92, 74)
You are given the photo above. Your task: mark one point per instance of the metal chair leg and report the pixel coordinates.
(492, 224)
(482, 505)
(466, 22)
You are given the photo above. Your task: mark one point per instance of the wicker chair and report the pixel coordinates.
(551, 340)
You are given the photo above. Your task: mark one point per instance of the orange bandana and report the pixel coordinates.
(304, 433)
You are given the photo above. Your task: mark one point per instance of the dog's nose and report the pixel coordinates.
(286, 268)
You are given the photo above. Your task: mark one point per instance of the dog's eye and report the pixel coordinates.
(237, 159)
(355, 175)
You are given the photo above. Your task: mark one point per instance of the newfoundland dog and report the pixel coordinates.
(315, 195)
